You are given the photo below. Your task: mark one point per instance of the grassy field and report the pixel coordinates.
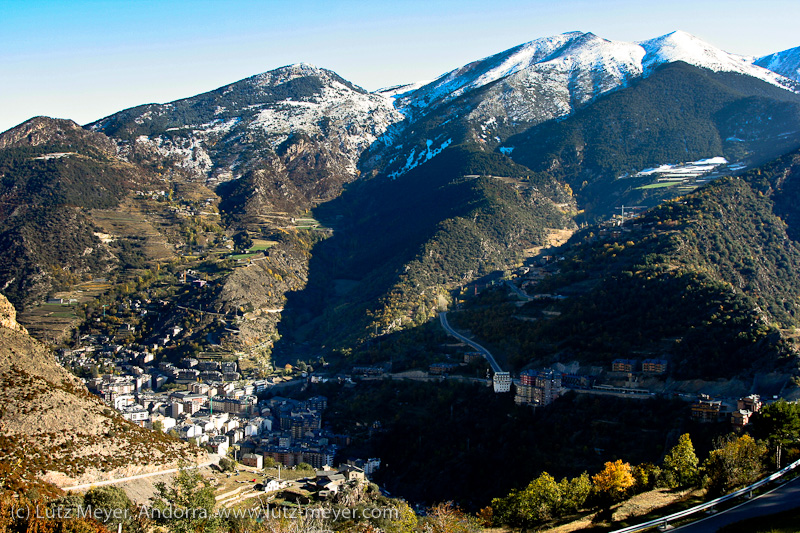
(661, 185)
(306, 223)
(259, 245)
(242, 256)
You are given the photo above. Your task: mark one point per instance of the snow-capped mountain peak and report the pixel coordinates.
(568, 54)
(577, 56)
(786, 63)
(682, 46)
(544, 79)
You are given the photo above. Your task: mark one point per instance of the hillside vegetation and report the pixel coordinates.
(709, 281)
(54, 172)
(399, 245)
(51, 426)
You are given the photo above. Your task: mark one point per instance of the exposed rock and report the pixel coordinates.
(45, 130)
(8, 315)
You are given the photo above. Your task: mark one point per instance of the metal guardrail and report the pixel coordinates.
(665, 520)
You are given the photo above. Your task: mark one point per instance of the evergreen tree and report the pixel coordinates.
(780, 424)
(113, 506)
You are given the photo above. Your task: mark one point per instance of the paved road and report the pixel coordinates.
(518, 291)
(483, 351)
(213, 459)
(783, 498)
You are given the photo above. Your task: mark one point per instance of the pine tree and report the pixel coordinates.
(780, 424)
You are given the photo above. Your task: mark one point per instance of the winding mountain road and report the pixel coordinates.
(483, 351)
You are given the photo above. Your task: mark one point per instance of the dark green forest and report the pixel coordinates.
(45, 230)
(451, 441)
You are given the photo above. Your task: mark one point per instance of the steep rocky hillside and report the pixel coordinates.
(53, 173)
(50, 426)
(260, 289)
(300, 174)
(258, 128)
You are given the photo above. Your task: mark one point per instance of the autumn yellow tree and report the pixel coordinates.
(614, 480)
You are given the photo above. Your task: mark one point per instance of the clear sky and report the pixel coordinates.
(85, 59)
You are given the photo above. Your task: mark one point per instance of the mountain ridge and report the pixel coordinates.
(281, 143)
(549, 79)
(217, 134)
(579, 49)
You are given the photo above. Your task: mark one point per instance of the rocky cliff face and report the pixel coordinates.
(8, 316)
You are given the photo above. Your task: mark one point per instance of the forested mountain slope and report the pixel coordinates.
(399, 245)
(707, 281)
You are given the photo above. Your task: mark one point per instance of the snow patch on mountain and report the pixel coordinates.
(286, 74)
(399, 91)
(692, 169)
(189, 153)
(353, 119)
(414, 161)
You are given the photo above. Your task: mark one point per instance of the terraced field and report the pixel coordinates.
(130, 221)
(53, 322)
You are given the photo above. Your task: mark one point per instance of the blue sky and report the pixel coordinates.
(86, 59)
